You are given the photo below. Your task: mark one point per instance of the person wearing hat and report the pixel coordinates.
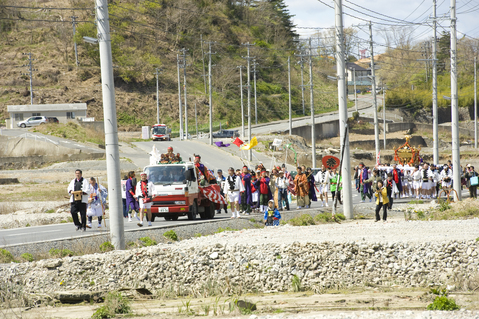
(96, 202)
(271, 215)
(131, 199)
(446, 177)
(144, 193)
(220, 180)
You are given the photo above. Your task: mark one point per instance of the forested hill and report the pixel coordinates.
(148, 34)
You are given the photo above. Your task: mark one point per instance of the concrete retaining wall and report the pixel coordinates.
(390, 142)
(27, 162)
(396, 127)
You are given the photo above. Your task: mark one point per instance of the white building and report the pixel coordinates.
(63, 112)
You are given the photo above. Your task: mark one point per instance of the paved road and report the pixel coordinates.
(52, 139)
(364, 105)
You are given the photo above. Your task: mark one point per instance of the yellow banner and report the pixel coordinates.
(250, 145)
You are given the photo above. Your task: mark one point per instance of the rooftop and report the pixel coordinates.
(46, 107)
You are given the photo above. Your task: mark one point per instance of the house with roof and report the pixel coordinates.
(63, 112)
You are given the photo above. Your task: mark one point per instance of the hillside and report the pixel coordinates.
(148, 34)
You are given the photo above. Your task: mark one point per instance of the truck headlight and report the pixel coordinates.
(180, 202)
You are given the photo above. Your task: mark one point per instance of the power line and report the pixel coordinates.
(378, 13)
(46, 8)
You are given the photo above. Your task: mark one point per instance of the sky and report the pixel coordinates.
(316, 13)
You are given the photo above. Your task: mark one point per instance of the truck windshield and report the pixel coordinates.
(159, 130)
(168, 174)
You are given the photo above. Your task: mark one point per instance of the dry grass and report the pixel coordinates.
(72, 131)
(32, 193)
(8, 207)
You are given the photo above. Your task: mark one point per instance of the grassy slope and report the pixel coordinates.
(138, 49)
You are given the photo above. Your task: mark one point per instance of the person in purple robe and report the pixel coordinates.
(245, 200)
(312, 190)
(131, 199)
(363, 177)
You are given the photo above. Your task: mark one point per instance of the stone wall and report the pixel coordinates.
(247, 268)
(27, 162)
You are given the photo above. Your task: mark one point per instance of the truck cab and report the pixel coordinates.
(177, 192)
(160, 132)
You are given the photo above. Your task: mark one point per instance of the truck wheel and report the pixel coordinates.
(153, 218)
(193, 211)
(212, 211)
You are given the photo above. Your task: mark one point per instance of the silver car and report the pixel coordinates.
(33, 121)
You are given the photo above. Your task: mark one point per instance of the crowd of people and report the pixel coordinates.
(264, 191)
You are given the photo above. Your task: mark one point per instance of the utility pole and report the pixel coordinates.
(435, 148)
(210, 93)
(248, 71)
(373, 90)
(255, 99)
(157, 97)
(203, 60)
(289, 95)
(242, 106)
(196, 122)
(179, 95)
(302, 85)
(111, 128)
(313, 128)
(384, 114)
(74, 41)
(475, 103)
(456, 161)
(30, 74)
(184, 92)
(343, 111)
(355, 95)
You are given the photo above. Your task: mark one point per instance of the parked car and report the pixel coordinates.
(52, 120)
(226, 134)
(33, 121)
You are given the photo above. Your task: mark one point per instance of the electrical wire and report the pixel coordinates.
(43, 20)
(381, 14)
(44, 8)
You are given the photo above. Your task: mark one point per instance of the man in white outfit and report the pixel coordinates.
(144, 192)
(232, 187)
(416, 181)
(446, 177)
(426, 181)
(78, 204)
(323, 177)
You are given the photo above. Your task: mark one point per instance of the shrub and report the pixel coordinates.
(6, 256)
(106, 246)
(296, 283)
(302, 220)
(115, 303)
(147, 241)
(443, 303)
(171, 235)
(220, 230)
(27, 257)
(60, 252)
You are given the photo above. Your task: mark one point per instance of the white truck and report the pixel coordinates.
(177, 192)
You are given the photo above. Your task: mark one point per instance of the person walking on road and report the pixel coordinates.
(282, 183)
(245, 191)
(382, 200)
(301, 187)
(131, 199)
(364, 186)
(472, 181)
(96, 202)
(220, 180)
(233, 185)
(144, 192)
(79, 189)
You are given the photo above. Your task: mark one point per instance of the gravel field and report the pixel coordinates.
(354, 231)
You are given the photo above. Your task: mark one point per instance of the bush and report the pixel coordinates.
(60, 252)
(27, 257)
(302, 220)
(296, 283)
(171, 235)
(106, 246)
(115, 303)
(147, 241)
(6, 256)
(443, 303)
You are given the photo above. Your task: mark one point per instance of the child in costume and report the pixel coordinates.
(271, 215)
